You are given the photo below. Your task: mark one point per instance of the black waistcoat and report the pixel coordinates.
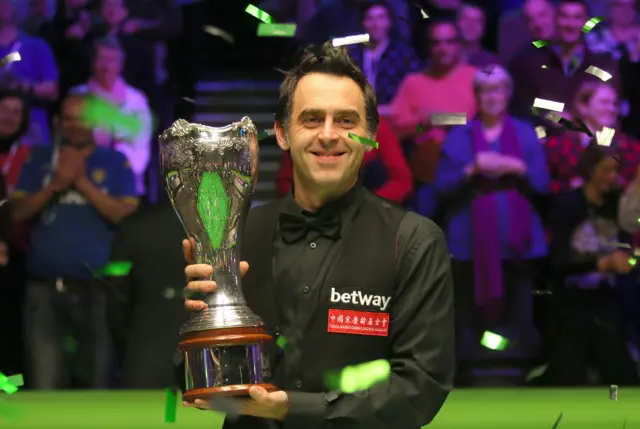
(367, 264)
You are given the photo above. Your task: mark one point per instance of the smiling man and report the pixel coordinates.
(345, 276)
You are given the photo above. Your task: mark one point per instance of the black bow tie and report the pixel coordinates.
(295, 227)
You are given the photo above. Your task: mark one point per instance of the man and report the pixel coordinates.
(145, 306)
(471, 20)
(564, 61)
(75, 194)
(518, 28)
(107, 83)
(293, 281)
(35, 75)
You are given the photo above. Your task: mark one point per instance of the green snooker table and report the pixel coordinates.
(465, 408)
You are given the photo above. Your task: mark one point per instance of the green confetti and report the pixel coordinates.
(17, 380)
(70, 345)
(100, 113)
(170, 406)
(633, 261)
(283, 343)
(213, 207)
(494, 341)
(555, 425)
(588, 26)
(374, 144)
(276, 30)
(7, 385)
(540, 43)
(359, 377)
(260, 14)
(114, 269)
(419, 129)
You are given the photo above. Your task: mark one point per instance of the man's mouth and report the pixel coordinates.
(328, 154)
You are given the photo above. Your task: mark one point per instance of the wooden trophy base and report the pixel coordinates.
(219, 338)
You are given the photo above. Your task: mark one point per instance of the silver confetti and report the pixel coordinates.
(613, 392)
(216, 32)
(599, 73)
(541, 103)
(10, 58)
(439, 119)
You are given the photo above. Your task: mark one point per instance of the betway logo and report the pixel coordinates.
(359, 298)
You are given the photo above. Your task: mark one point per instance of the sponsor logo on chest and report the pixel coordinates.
(359, 298)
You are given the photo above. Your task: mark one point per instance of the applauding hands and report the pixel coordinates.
(494, 165)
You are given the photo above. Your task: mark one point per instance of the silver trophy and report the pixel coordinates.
(210, 175)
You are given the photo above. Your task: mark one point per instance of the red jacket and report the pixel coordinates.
(397, 188)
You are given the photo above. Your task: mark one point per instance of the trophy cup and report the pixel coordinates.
(210, 174)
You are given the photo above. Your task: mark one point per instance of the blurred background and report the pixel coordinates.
(202, 60)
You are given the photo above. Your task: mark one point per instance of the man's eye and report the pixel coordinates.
(312, 120)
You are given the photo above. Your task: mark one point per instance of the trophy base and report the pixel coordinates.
(210, 392)
(225, 362)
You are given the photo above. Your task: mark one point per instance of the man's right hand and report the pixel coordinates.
(195, 273)
(67, 169)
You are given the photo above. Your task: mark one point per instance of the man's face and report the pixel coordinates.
(602, 108)
(605, 175)
(108, 64)
(570, 19)
(377, 23)
(471, 24)
(11, 111)
(493, 98)
(540, 19)
(622, 12)
(325, 110)
(113, 11)
(73, 130)
(444, 45)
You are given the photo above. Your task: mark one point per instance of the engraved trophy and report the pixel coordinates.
(210, 174)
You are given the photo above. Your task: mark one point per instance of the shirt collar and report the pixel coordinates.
(334, 208)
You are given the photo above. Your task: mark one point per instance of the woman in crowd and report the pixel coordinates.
(596, 104)
(586, 325)
(489, 180)
(397, 188)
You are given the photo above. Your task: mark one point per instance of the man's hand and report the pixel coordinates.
(512, 165)
(76, 32)
(195, 272)
(616, 261)
(67, 169)
(4, 254)
(263, 404)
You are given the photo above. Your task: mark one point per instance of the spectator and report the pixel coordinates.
(397, 188)
(388, 58)
(106, 82)
(75, 206)
(517, 29)
(446, 86)
(596, 103)
(616, 36)
(147, 303)
(586, 323)
(471, 20)
(35, 75)
(566, 61)
(14, 124)
(38, 21)
(70, 29)
(489, 180)
(629, 71)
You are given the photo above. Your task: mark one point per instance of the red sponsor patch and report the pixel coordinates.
(358, 322)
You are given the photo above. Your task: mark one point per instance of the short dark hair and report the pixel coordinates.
(449, 18)
(593, 155)
(326, 59)
(108, 42)
(581, 2)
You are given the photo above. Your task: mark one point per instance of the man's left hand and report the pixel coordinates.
(263, 404)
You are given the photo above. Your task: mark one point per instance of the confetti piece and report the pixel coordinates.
(541, 103)
(10, 58)
(276, 30)
(260, 14)
(613, 392)
(597, 72)
(636, 251)
(617, 245)
(17, 380)
(217, 32)
(605, 136)
(633, 262)
(7, 385)
(374, 144)
(115, 269)
(359, 377)
(541, 292)
(494, 341)
(189, 100)
(544, 66)
(3, 202)
(541, 132)
(424, 14)
(419, 129)
(588, 26)
(350, 40)
(537, 372)
(555, 425)
(540, 43)
(170, 406)
(439, 119)
(100, 113)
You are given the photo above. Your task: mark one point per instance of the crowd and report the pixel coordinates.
(540, 208)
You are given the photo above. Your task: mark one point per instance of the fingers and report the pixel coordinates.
(198, 271)
(203, 286)
(244, 267)
(194, 306)
(187, 251)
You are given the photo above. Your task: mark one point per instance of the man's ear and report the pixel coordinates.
(280, 136)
